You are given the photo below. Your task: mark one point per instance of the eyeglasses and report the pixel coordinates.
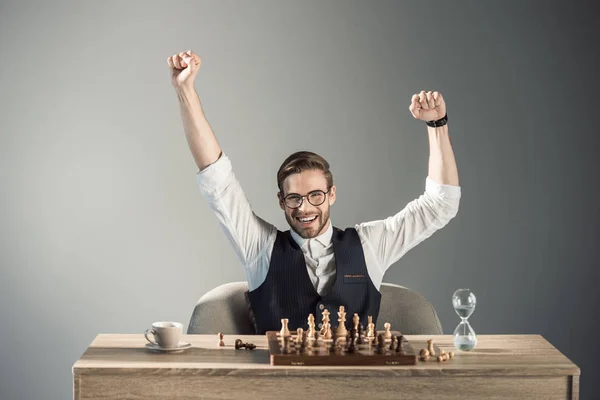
(316, 198)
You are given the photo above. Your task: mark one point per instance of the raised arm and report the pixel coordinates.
(247, 233)
(391, 238)
(200, 136)
(430, 106)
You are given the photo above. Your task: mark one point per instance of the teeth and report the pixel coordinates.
(308, 219)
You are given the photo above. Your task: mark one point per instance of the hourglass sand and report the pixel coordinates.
(464, 301)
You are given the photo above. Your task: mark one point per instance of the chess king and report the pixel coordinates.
(314, 265)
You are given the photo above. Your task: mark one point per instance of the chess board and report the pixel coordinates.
(319, 352)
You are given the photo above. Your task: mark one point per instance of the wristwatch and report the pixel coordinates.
(440, 122)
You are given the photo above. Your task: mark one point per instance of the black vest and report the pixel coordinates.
(288, 292)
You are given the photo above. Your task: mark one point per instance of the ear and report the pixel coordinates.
(280, 201)
(332, 195)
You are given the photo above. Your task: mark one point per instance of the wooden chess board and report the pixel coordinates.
(319, 353)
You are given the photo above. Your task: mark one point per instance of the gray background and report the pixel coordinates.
(104, 229)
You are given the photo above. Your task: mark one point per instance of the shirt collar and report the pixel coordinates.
(324, 238)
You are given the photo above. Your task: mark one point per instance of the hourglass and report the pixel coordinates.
(464, 301)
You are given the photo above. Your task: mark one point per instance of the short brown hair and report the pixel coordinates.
(303, 161)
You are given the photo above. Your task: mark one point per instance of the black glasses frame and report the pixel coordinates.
(307, 198)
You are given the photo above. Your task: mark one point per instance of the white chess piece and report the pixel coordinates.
(387, 334)
(370, 328)
(299, 333)
(327, 330)
(285, 332)
(311, 327)
(341, 330)
(324, 321)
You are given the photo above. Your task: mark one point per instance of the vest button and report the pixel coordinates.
(321, 307)
(320, 325)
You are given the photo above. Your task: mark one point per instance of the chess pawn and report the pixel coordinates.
(359, 334)
(285, 332)
(393, 343)
(355, 321)
(299, 335)
(221, 343)
(387, 334)
(327, 330)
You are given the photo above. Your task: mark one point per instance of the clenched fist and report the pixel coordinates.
(184, 67)
(427, 106)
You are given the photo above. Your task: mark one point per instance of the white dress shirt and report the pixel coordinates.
(384, 241)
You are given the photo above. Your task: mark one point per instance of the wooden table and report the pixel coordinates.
(501, 366)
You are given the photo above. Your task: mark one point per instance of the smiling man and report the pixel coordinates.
(314, 266)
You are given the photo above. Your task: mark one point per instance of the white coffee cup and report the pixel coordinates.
(166, 333)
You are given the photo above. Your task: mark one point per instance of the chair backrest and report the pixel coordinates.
(226, 309)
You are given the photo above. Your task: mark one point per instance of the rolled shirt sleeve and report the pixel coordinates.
(389, 239)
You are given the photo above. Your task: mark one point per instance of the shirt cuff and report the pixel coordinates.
(444, 191)
(212, 176)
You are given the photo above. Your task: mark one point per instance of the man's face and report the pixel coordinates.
(303, 184)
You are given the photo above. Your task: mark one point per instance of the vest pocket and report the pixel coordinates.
(355, 278)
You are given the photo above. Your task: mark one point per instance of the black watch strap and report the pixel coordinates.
(440, 122)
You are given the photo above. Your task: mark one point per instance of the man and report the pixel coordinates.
(314, 266)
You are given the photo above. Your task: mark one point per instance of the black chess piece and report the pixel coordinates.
(332, 347)
(359, 338)
(285, 348)
(241, 345)
(400, 344)
(380, 344)
(352, 346)
(393, 342)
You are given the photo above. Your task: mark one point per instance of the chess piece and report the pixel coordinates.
(221, 343)
(356, 321)
(285, 332)
(311, 327)
(400, 344)
(352, 346)
(430, 347)
(444, 356)
(380, 344)
(240, 345)
(451, 354)
(327, 330)
(285, 348)
(393, 342)
(341, 331)
(370, 328)
(424, 355)
(359, 334)
(299, 336)
(332, 346)
(388, 333)
(325, 320)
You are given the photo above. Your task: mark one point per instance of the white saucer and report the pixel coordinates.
(180, 347)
